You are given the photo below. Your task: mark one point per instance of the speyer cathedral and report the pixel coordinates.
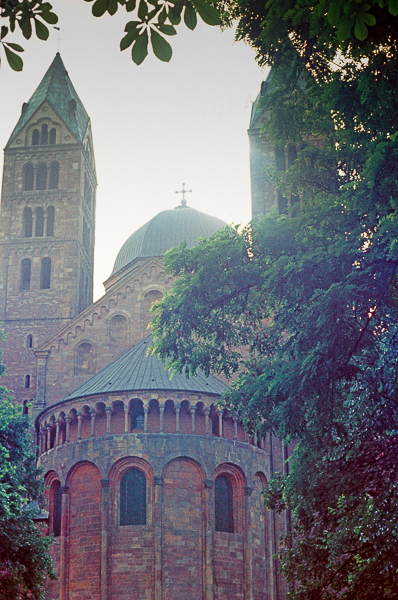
(154, 493)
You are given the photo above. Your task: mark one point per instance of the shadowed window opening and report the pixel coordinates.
(50, 221)
(57, 509)
(35, 137)
(223, 504)
(133, 498)
(25, 274)
(29, 341)
(27, 381)
(39, 227)
(28, 177)
(84, 359)
(45, 273)
(41, 177)
(52, 135)
(54, 176)
(44, 134)
(27, 222)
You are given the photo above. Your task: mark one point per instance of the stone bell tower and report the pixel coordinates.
(47, 224)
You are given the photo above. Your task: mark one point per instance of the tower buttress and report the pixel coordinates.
(47, 224)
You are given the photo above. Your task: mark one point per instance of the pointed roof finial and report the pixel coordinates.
(183, 192)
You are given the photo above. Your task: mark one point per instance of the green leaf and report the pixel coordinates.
(132, 25)
(129, 38)
(161, 48)
(49, 17)
(99, 8)
(140, 48)
(190, 18)
(142, 10)
(130, 5)
(334, 13)
(207, 12)
(175, 14)
(3, 32)
(167, 30)
(15, 61)
(41, 30)
(360, 29)
(15, 47)
(112, 6)
(45, 7)
(344, 30)
(26, 28)
(369, 19)
(393, 7)
(162, 16)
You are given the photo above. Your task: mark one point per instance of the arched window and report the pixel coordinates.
(50, 221)
(118, 330)
(85, 364)
(223, 496)
(35, 137)
(54, 176)
(29, 341)
(56, 509)
(133, 498)
(27, 222)
(39, 228)
(44, 134)
(28, 177)
(25, 274)
(27, 381)
(150, 297)
(45, 273)
(53, 134)
(41, 177)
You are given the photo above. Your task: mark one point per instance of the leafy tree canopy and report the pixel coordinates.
(24, 562)
(301, 309)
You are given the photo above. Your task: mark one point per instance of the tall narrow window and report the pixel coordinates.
(29, 341)
(53, 134)
(223, 504)
(28, 177)
(39, 227)
(27, 381)
(54, 176)
(25, 274)
(85, 364)
(27, 222)
(133, 498)
(35, 137)
(57, 509)
(45, 273)
(44, 134)
(50, 221)
(41, 177)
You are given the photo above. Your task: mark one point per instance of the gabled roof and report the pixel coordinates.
(57, 89)
(136, 371)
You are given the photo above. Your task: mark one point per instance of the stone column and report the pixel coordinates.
(126, 418)
(105, 540)
(57, 424)
(220, 414)
(146, 408)
(161, 424)
(43, 440)
(108, 410)
(63, 563)
(79, 425)
(92, 422)
(178, 408)
(193, 411)
(209, 516)
(235, 418)
(248, 547)
(67, 431)
(48, 437)
(158, 517)
(207, 420)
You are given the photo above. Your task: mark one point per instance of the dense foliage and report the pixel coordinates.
(24, 562)
(312, 296)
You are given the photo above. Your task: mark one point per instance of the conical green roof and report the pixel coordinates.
(57, 89)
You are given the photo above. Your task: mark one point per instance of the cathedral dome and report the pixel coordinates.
(167, 230)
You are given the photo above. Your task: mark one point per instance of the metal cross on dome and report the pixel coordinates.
(183, 192)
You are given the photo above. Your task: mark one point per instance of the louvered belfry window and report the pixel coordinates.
(133, 498)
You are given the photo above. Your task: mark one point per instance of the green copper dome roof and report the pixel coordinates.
(57, 89)
(167, 230)
(136, 371)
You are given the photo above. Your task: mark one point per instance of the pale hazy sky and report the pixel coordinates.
(154, 126)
